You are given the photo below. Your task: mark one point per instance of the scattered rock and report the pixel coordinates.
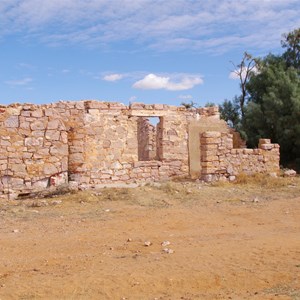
(129, 240)
(165, 243)
(107, 210)
(147, 243)
(97, 194)
(273, 174)
(168, 250)
(56, 202)
(73, 186)
(232, 178)
(16, 231)
(255, 200)
(289, 173)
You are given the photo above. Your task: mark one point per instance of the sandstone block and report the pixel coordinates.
(52, 135)
(31, 141)
(211, 134)
(264, 141)
(12, 122)
(38, 125)
(136, 105)
(290, 173)
(53, 124)
(267, 146)
(116, 165)
(49, 169)
(210, 140)
(38, 113)
(59, 150)
(41, 184)
(158, 106)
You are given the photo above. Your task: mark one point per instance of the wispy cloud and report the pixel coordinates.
(113, 77)
(215, 25)
(132, 98)
(155, 82)
(17, 82)
(185, 97)
(26, 65)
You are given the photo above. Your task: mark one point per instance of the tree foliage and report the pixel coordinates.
(274, 107)
(230, 112)
(291, 41)
(269, 104)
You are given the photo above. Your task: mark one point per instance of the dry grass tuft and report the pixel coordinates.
(263, 180)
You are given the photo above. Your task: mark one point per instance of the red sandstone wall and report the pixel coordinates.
(92, 143)
(220, 161)
(33, 149)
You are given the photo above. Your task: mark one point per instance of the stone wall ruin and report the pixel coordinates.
(91, 144)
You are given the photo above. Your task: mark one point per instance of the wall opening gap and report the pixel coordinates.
(149, 138)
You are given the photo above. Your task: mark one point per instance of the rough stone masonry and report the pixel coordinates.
(90, 144)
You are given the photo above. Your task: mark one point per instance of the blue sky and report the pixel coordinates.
(151, 51)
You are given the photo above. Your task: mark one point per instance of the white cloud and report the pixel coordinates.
(215, 25)
(154, 82)
(65, 71)
(113, 77)
(235, 74)
(25, 66)
(185, 97)
(132, 98)
(23, 81)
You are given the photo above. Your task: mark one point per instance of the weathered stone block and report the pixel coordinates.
(211, 134)
(49, 169)
(12, 122)
(267, 146)
(38, 125)
(52, 135)
(30, 141)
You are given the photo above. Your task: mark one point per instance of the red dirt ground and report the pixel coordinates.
(230, 241)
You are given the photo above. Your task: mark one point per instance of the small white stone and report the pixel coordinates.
(289, 173)
(168, 250)
(56, 202)
(165, 243)
(147, 243)
(16, 231)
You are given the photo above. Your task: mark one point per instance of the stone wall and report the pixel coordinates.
(220, 160)
(112, 153)
(33, 149)
(90, 144)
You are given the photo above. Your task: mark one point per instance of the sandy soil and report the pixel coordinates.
(230, 241)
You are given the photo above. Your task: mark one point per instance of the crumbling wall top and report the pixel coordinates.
(105, 105)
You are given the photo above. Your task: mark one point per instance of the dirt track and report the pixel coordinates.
(229, 242)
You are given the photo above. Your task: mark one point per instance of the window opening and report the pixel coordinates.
(149, 138)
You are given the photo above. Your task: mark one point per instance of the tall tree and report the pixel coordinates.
(243, 71)
(274, 107)
(291, 41)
